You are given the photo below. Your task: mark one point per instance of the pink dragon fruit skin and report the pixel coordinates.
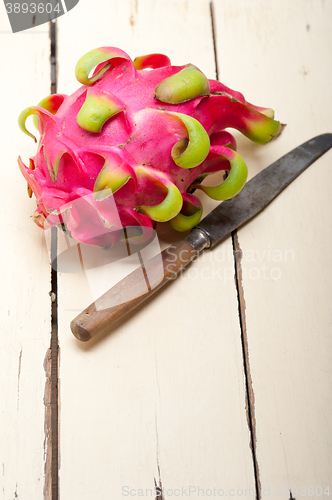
(139, 139)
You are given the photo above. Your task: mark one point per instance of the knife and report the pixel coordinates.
(100, 316)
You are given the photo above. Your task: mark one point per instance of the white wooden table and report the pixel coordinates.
(221, 384)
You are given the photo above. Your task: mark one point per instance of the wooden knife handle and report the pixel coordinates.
(100, 316)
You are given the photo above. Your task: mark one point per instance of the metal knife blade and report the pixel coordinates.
(113, 305)
(262, 189)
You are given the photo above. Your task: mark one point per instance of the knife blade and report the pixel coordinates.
(100, 316)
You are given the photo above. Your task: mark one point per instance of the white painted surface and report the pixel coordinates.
(25, 274)
(284, 50)
(167, 386)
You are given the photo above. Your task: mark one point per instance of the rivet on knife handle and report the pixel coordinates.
(101, 315)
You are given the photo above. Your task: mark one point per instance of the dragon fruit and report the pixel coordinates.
(139, 136)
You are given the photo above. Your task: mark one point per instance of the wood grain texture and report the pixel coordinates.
(25, 274)
(132, 291)
(163, 397)
(284, 53)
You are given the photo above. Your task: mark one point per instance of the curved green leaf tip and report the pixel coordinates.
(184, 85)
(235, 181)
(98, 107)
(43, 115)
(172, 203)
(189, 216)
(198, 146)
(109, 180)
(260, 128)
(31, 110)
(91, 59)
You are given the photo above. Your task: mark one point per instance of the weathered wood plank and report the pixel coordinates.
(163, 396)
(279, 53)
(25, 273)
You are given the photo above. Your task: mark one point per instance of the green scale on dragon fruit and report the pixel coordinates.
(141, 135)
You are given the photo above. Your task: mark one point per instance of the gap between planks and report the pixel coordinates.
(250, 396)
(237, 252)
(54, 374)
(51, 363)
